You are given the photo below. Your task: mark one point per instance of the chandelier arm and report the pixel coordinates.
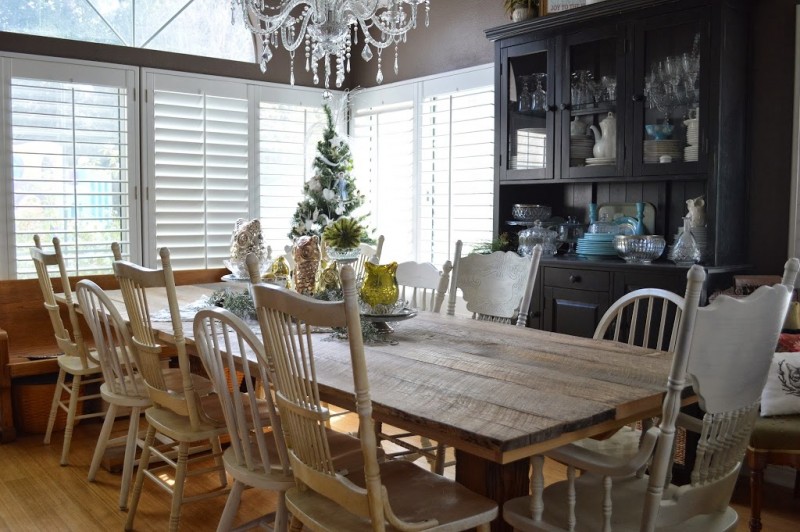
(272, 22)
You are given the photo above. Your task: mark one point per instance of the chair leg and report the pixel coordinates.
(144, 463)
(757, 462)
(180, 481)
(217, 449)
(130, 457)
(102, 441)
(73, 408)
(51, 420)
(231, 506)
(281, 514)
(297, 524)
(441, 456)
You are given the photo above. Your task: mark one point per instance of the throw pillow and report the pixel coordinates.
(781, 395)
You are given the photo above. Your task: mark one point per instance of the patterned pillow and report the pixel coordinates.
(781, 395)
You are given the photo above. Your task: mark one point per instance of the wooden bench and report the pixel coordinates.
(26, 332)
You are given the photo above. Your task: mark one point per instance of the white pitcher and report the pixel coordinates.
(605, 138)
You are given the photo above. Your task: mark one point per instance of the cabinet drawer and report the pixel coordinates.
(596, 281)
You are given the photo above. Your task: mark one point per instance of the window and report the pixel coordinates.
(72, 130)
(424, 155)
(288, 136)
(383, 154)
(220, 149)
(168, 25)
(457, 172)
(198, 166)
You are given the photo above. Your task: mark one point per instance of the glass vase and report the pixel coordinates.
(685, 252)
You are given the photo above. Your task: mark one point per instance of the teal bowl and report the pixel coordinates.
(659, 131)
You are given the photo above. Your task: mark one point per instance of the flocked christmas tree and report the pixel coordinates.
(331, 193)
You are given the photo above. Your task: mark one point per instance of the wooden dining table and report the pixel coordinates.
(498, 394)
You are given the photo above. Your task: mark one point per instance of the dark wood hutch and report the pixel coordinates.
(665, 61)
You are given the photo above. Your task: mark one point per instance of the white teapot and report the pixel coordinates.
(605, 138)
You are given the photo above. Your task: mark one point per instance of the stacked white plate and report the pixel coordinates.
(700, 237)
(601, 161)
(597, 245)
(580, 148)
(691, 152)
(655, 149)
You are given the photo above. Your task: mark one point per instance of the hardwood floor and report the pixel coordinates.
(38, 494)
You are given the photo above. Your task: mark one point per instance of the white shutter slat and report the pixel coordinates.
(69, 165)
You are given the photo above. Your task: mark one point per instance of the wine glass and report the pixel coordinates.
(539, 94)
(525, 103)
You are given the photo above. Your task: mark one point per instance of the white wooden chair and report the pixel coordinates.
(723, 350)
(183, 411)
(496, 287)
(424, 287)
(123, 386)
(257, 454)
(648, 317)
(393, 494)
(77, 359)
(368, 253)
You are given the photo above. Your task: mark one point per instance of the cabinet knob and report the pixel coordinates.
(574, 278)
(638, 97)
(552, 108)
(564, 106)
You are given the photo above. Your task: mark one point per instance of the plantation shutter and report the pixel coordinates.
(457, 172)
(200, 138)
(383, 148)
(287, 145)
(72, 146)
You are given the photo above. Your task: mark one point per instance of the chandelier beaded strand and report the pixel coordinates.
(328, 28)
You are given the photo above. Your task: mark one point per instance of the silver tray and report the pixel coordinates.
(230, 278)
(404, 314)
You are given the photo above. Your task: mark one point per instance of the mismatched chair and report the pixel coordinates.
(496, 287)
(743, 334)
(183, 409)
(77, 359)
(648, 317)
(368, 254)
(424, 287)
(257, 454)
(394, 494)
(123, 386)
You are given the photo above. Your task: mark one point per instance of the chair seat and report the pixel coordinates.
(174, 381)
(72, 364)
(274, 479)
(414, 494)
(179, 428)
(624, 442)
(346, 452)
(776, 433)
(627, 503)
(123, 399)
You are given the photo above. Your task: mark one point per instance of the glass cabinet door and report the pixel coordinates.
(669, 115)
(593, 117)
(527, 93)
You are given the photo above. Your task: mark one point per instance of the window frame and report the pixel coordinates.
(65, 70)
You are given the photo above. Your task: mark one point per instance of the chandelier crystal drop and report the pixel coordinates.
(326, 31)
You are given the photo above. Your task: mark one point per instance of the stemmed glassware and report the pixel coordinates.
(525, 103)
(672, 82)
(539, 94)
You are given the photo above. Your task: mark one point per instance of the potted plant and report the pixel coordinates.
(521, 9)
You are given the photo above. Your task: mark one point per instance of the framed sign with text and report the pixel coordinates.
(555, 6)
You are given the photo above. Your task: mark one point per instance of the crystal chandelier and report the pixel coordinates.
(328, 29)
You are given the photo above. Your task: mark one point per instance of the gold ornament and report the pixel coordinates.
(380, 285)
(344, 233)
(280, 268)
(306, 262)
(328, 278)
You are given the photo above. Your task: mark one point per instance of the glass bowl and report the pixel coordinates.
(642, 249)
(530, 212)
(659, 131)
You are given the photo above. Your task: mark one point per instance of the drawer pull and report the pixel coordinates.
(574, 278)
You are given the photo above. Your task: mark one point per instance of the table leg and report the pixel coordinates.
(499, 482)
